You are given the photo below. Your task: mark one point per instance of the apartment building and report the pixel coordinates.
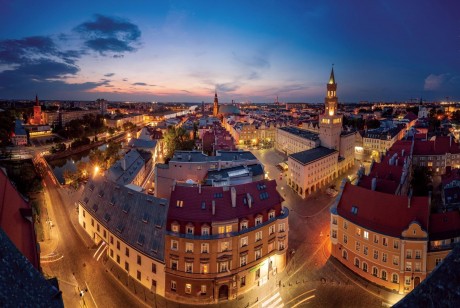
(291, 140)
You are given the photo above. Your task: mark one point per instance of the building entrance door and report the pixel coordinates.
(416, 281)
(223, 292)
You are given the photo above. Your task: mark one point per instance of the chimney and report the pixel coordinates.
(123, 163)
(450, 141)
(189, 157)
(248, 196)
(213, 207)
(374, 183)
(408, 199)
(429, 201)
(174, 185)
(233, 194)
(199, 189)
(402, 152)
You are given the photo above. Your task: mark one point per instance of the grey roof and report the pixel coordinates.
(308, 156)
(218, 175)
(133, 162)
(131, 215)
(21, 284)
(382, 133)
(142, 143)
(197, 156)
(441, 288)
(301, 132)
(19, 129)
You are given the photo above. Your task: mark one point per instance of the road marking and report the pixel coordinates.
(102, 252)
(304, 300)
(272, 302)
(312, 290)
(89, 291)
(102, 244)
(49, 261)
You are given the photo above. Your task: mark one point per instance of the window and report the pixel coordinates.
(384, 257)
(385, 241)
(174, 264)
(154, 268)
(358, 231)
(97, 228)
(92, 222)
(242, 281)
(418, 267)
(334, 220)
(118, 245)
(376, 254)
(188, 267)
(111, 253)
(204, 268)
(84, 213)
(174, 245)
(139, 260)
(438, 261)
(189, 229)
(221, 229)
(84, 225)
(395, 260)
(365, 250)
(334, 234)
(228, 229)
(384, 275)
(345, 225)
(175, 228)
(281, 227)
(258, 236)
(203, 289)
(224, 246)
(173, 285)
(223, 267)
(258, 220)
(395, 278)
(357, 262)
(408, 266)
(271, 215)
(257, 275)
(375, 271)
(244, 241)
(244, 225)
(139, 275)
(258, 254)
(396, 244)
(345, 254)
(270, 246)
(376, 239)
(280, 245)
(418, 254)
(243, 260)
(127, 266)
(218, 195)
(345, 238)
(118, 259)
(188, 247)
(111, 240)
(179, 203)
(365, 267)
(204, 248)
(354, 210)
(105, 234)
(408, 254)
(366, 235)
(127, 252)
(357, 246)
(205, 231)
(407, 281)
(271, 229)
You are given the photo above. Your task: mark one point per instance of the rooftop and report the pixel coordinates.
(309, 156)
(125, 170)
(137, 218)
(439, 146)
(301, 132)
(197, 156)
(142, 143)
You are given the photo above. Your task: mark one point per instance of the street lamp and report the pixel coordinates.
(96, 170)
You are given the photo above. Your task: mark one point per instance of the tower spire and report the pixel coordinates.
(36, 100)
(332, 78)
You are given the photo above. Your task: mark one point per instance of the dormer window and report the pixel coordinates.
(205, 230)
(189, 229)
(354, 210)
(244, 225)
(174, 227)
(179, 203)
(271, 214)
(258, 220)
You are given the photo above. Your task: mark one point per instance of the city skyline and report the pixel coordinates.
(180, 51)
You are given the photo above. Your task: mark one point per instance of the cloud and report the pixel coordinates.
(258, 61)
(434, 82)
(186, 91)
(109, 34)
(109, 74)
(139, 84)
(227, 87)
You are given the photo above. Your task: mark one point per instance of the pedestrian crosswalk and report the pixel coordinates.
(273, 302)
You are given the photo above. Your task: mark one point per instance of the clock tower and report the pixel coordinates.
(215, 109)
(330, 123)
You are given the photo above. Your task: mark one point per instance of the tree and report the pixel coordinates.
(371, 124)
(421, 181)
(177, 139)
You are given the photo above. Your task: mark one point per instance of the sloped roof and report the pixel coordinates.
(440, 146)
(308, 156)
(444, 225)
(128, 214)
(192, 211)
(15, 213)
(384, 213)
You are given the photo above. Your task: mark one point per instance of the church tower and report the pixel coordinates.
(37, 112)
(330, 123)
(215, 110)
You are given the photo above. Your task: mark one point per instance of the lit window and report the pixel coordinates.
(243, 260)
(179, 203)
(188, 288)
(258, 254)
(228, 229)
(204, 268)
(271, 230)
(175, 228)
(281, 227)
(366, 235)
(188, 267)
(258, 236)
(224, 246)
(244, 241)
(204, 248)
(203, 289)
(188, 247)
(358, 231)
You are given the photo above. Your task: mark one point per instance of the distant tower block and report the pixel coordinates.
(215, 110)
(37, 120)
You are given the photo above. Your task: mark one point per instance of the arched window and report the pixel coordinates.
(375, 271)
(357, 262)
(395, 278)
(365, 267)
(384, 275)
(345, 254)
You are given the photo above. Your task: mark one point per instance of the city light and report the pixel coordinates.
(96, 170)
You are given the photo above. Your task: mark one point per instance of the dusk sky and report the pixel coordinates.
(247, 50)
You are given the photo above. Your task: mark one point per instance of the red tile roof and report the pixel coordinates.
(444, 225)
(191, 210)
(13, 212)
(440, 146)
(410, 116)
(384, 213)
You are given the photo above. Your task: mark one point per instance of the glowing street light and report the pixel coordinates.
(96, 170)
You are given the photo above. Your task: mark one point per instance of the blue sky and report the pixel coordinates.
(247, 50)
